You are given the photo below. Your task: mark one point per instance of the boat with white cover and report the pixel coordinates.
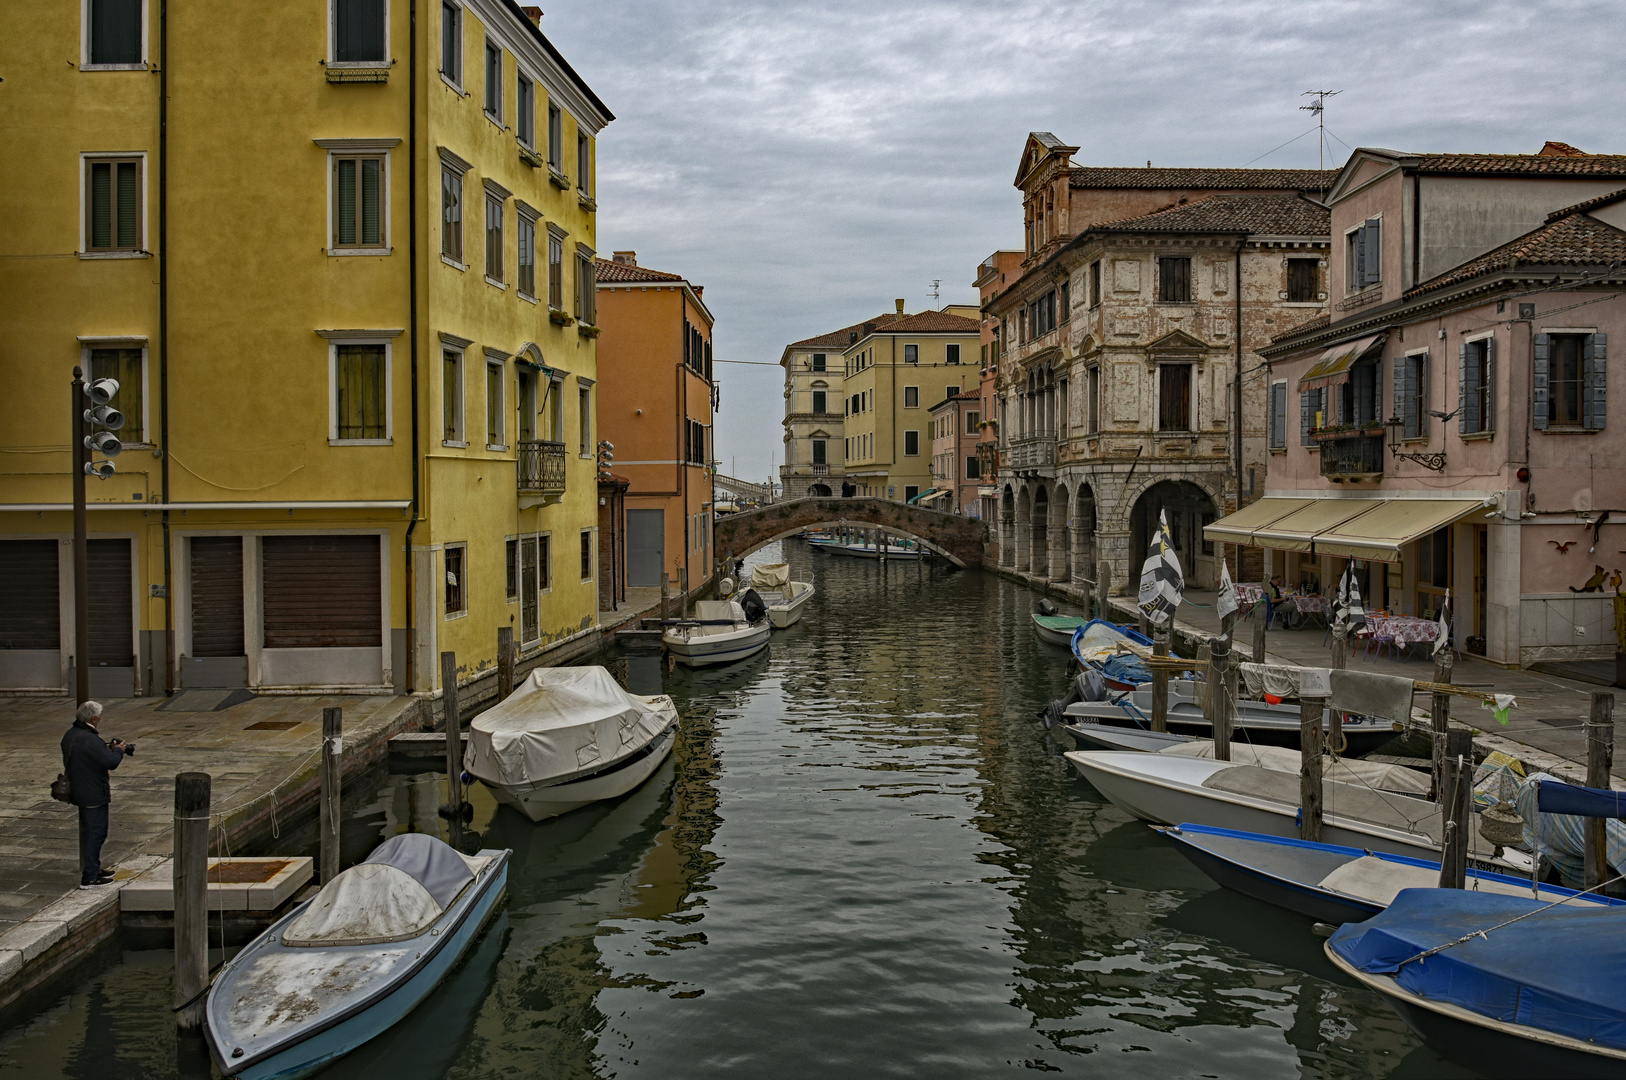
(567, 737)
(784, 595)
(349, 963)
(721, 632)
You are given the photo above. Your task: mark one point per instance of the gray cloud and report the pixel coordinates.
(807, 162)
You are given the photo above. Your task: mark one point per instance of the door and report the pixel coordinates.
(646, 548)
(322, 611)
(30, 615)
(530, 627)
(217, 657)
(1481, 546)
(111, 649)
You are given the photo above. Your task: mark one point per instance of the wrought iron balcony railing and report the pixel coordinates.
(1357, 456)
(541, 467)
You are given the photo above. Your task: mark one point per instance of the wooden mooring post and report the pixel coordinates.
(1103, 585)
(1221, 680)
(190, 881)
(1310, 710)
(453, 810)
(505, 662)
(1205, 689)
(1456, 804)
(1439, 719)
(1600, 753)
(332, 748)
(1160, 680)
(1260, 619)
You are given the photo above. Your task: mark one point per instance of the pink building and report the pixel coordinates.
(956, 468)
(1448, 427)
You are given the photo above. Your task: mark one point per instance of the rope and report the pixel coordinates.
(1426, 953)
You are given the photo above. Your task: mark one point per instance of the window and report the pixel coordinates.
(544, 562)
(125, 365)
(358, 32)
(1303, 279)
(494, 405)
(525, 111)
(819, 452)
(1095, 284)
(818, 401)
(818, 361)
(911, 443)
(494, 238)
(113, 38)
(586, 301)
(1174, 397)
(1066, 312)
(1411, 395)
(1174, 280)
(358, 202)
(456, 592)
(451, 214)
(911, 397)
(1363, 263)
(451, 42)
(555, 411)
(113, 204)
(973, 468)
(584, 406)
(1312, 414)
(1278, 416)
(950, 392)
(697, 442)
(587, 555)
(451, 396)
(1475, 367)
(494, 80)
(527, 406)
(972, 420)
(556, 139)
(360, 393)
(1361, 402)
(511, 575)
(556, 270)
(952, 350)
(1092, 406)
(1571, 383)
(583, 156)
(526, 284)
(1433, 571)
(911, 354)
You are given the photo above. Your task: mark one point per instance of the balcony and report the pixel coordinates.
(1351, 457)
(1034, 454)
(541, 472)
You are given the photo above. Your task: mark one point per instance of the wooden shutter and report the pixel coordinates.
(1372, 260)
(1414, 369)
(1402, 365)
(321, 592)
(358, 31)
(30, 610)
(1541, 354)
(115, 33)
(1487, 409)
(1467, 394)
(217, 596)
(111, 607)
(1595, 381)
(1306, 416)
(1278, 414)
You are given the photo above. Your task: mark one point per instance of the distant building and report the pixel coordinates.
(993, 276)
(814, 415)
(956, 425)
(655, 406)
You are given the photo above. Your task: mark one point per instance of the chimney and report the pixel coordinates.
(899, 302)
(534, 14)
(626, 258)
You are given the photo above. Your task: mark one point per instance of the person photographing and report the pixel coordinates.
(86, 763)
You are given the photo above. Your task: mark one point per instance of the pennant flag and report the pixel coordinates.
(1162, 586)
(1443, 638)
(1227, 602)
(1347, 607)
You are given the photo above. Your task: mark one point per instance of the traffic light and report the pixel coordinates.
(102, 420)
(606, 454)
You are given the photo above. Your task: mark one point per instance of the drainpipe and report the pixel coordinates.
(412, 291)
(1236, 394)
(163, 346)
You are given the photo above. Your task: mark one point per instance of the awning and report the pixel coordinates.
(1239, 527)
(1338, 360)
(1297, 531)
(933, 496)
(1381, 532)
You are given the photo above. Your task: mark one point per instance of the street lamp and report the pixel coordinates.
(1435, 462)
(92, 433)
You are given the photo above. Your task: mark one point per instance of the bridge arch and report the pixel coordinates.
(961, 540)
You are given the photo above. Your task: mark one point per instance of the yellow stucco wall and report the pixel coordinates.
(886, 470)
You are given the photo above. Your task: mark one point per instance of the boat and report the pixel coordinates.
(1257, 722)
(1509, 986)
(1328, 882)
(1057, 629)
(1167, 790)
(891, 552)
(784, 595)
(567, 737)
(721, 632)
(352, 961)
(1118, 653)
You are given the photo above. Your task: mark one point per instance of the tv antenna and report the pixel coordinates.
(935, 283)
(1319, 108)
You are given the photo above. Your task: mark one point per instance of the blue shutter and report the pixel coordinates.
(1306, 416)
(1595, 381)
(1278, 415)
(1416, 370)
(1541, 353)
(1372, 265)
(1401, 366)
(1487, 421)
(1467, 402)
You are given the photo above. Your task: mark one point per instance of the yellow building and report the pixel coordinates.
(343, 272)
(895, 371)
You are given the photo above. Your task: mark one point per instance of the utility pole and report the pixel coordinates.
(1319, 108)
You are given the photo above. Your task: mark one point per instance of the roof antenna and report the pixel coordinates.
(1319, 107)
(935, 283)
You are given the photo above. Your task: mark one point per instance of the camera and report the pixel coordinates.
(128, 748)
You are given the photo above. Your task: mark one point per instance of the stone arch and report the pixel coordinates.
(1083, 514)
(1039, 538)
(1061, 544)
(1007, 526)
(1023, 528)
(1187, 505)
(818, 491)
(959, 539)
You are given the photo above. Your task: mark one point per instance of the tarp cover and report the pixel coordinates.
(1561, 838)
(770, 576)
(366, 904)
(1559, 971)
(1559, 798)
(1282, 759)
(561, 721)
(432, 862)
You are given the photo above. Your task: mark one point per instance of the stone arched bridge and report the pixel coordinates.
(961, 540)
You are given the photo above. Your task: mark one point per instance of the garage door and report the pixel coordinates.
(30, 615)
(321, 592)
(646, 547)
(217, 595)
(112, 635)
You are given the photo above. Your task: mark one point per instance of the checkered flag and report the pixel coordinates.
(1347, 607)
(1162, 586)
(1443, 639)
(1226, 603)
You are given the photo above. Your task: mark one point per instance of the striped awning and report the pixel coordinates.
(1337, 361)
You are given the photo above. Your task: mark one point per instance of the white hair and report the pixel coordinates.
(90, 710)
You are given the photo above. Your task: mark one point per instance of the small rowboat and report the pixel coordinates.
(784, 595)
(1057, 629)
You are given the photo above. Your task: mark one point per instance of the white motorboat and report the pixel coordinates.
(567, 737)
(1168, 790)
(721, 632)
(784, 595)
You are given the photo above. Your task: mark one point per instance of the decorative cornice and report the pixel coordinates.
(361, 335)
(358, 146)
(453, 162)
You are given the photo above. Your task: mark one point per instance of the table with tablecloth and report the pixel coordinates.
(1247, 595)
(1403, 630)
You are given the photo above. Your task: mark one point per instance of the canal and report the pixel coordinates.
(864, 858)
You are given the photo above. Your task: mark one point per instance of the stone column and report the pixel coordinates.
(1007, 540)
(1057, 550)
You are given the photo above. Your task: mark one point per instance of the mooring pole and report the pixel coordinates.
(1310, 769)
(1456, 803)
(505, 662)
(1220, 677)
(81, 560)
(1160, 681)
(1103, 585)
(1439, 719)
(1260, 624)
(332, 747)
(1600, 753)
(1205, 689)
(453, 809)
(1085, 596)
(190, 882)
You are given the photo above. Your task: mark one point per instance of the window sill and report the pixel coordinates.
(1302, 303)
(452, 616)
(1282, 450)
(495, 120)
(361, 442)
(114, 67)
(497, 448)
(587, 202)
(454, 445)
(559, 317)
(529, 156)
(1174, 303)
(587, 330)
(456, 88)
(558, 179)
(453, 263)
(357, 73)
(1477, 436)
(525, 296)
(1567, 429)
(114, 254)
(510, 599)
(341, 252)
(497, 283)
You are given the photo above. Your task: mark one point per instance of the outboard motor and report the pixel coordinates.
(755, 610)
(1045, 606)
(1086, 687)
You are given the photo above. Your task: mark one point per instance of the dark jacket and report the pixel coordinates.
(87, 759)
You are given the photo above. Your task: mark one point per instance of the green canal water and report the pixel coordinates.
(864, 859)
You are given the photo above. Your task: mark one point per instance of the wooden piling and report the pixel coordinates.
(505, 662)
(454, 735)
(1219, 679)
(1439, 718)
(1205, 688)
(1259, 621)
(1340, 646)
(1160, 681)
(1600, 752)
(1085, 598)
(190, 869)
(332, 745)
(1103, 584)
(1310, 769)
(1456, 804)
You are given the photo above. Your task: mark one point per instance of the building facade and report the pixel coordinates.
(956, 425)
(356, 412)
(656, 358)
(815, 419)
(995, 273)
(1446, 427)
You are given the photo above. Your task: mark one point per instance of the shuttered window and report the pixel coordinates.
(30, 611)
(217, 595)
(1278, 416)
(556, 139)
(451, 215)
(456, 592)
(495, 428)
(1303, 280)
(451, 42)
(112, 609)
(820, 453)
(911, 443)
(525, 111)
(358, 31)
(1595, 382)
(494, 259)
(587, 556)
(586, 302)
(556, 271)
(113, 204)
(1174, 397)
(527, 257)
(451, 395)
(124, 366)
(358, 392)
(1174, 280)
(1364, 263)
(583, 158)
(1475, 372)
(358, 202)
(1410, 395)
(1571, 381)
(494, 80)
(321, 592)
(115, 33)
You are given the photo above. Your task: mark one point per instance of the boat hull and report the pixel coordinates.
(789, 613)
(1318, 904)
(542, 801)
(1264, 729)
(704, 650)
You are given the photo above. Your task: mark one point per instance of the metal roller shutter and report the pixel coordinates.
(321, 592)
(111, 607)
(217, 596)
(30, 617)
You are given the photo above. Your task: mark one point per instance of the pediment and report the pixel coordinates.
(1088, 347)
(1177, 341)
(1038, 149)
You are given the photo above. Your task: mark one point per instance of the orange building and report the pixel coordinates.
(656, 396)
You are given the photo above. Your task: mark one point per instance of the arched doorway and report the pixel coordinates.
(1188, 509)
(1039, 542)
(819, 491)
(1084, 533)
(1062, 557)
(1007, 527)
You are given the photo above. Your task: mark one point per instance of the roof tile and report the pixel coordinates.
(1267, 215)
(605, 270)
(1601, 165)
(1572, 240)
(1257, 179)
(837, 339)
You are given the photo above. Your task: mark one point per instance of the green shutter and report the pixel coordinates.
(371, 217)
(128, 200)
(345, 224)
(101, 205)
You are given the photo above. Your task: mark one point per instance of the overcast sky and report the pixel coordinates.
(807, 162)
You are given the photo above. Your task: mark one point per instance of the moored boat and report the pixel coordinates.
(785, 595)
(1257, 722)
(1057, 629)
(721, 632)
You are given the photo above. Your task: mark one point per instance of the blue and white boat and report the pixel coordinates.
(352, 961)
